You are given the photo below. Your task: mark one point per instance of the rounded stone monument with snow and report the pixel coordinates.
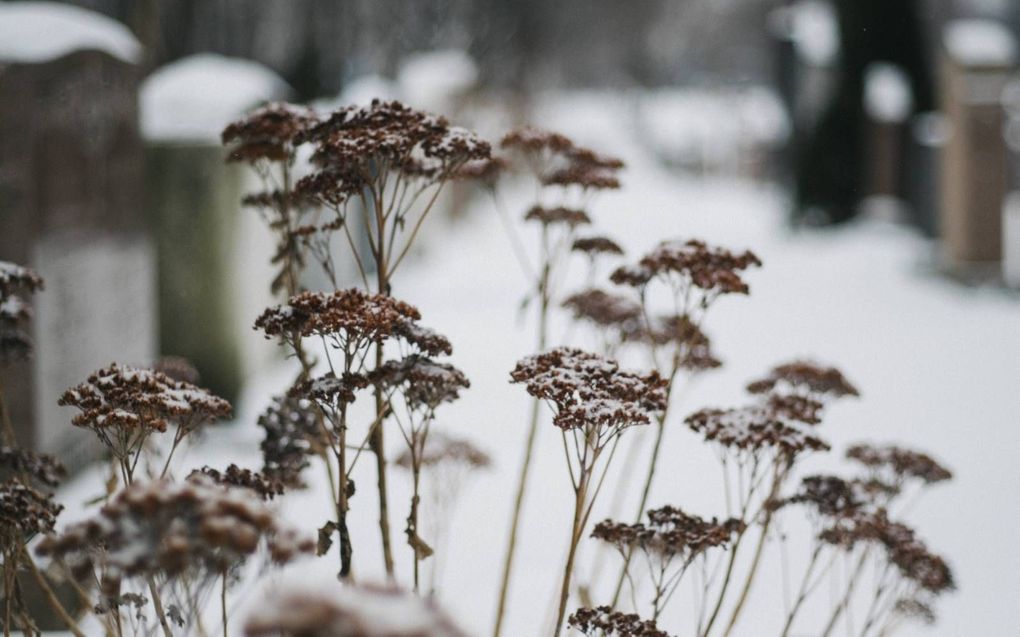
(71, 177)
(210, 251)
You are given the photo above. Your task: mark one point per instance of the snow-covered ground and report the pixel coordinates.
(938, 366)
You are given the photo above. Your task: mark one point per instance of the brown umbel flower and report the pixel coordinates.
(690, 263)
(830, 496)
(896, 464)
(32, 467)
(804, 378)
(604, 621)
(268, 133)
(292, 434)
(557, 161)
(356, 611)
(903, 548)
(558, 215)
(355, 144)
(24, 511)
(605, 309)
(443, 449)
(593, 246)
(170, 528)
(753, 428)
(16, 284)
(423, 382)
(352, 313)
(264, 485)
(669, 532)
(586, 389)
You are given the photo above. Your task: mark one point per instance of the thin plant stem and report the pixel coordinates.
(223, 601)
(848, 594)
(157, 603)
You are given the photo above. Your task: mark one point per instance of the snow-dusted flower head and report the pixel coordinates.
(266, 486)
(690, 345)
(24, 511)
(162, 527)
(604, 621)
(292, 434)
(268, 132)
(356, 611)
(753, 428)
(684, 264)
(123, 398)
(17, 283)
(356, 145)
(588, 389)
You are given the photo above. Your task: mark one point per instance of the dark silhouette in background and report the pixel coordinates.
(831, 160)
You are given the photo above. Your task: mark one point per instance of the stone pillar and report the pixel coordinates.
(70, 208)
(977, 59)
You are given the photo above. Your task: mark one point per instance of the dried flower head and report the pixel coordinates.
(443, 449)
(352, 316)
(670, 532)
(589, 390)
(683, 264)
(170, 528)
(900, 463)
(125, 398)
(293, 433)
(595, 246)
(265, 486)
(485, 171)
(269, 132)
(423, 382)
(356, 611)
(691, 346)
(903, 548)
(753, 428)
(16, 284)
(356, 144)
(31, 467)
(604, 309)
(804, 378)
(830, 496)
(558, 215)
(331, 390)
(534, 140)
(24, 511)
(915, 609)
(605, 621)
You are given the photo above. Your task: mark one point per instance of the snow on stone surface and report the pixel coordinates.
(362, 90)
(814, 30)
(432, 79)
(936, 364)
(194, 98)
(980, 43)
(32, 32)
(887, 94)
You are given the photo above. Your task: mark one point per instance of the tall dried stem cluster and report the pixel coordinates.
(374, 175)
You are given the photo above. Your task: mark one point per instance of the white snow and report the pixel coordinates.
(887, 94)
(980, 43)
(814, 30)
(936, 364)
(194, 98)
(433, 79)
(33, 32)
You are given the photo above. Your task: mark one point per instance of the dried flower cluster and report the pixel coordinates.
(168, 528)
(268, 133)
(423, 382)
(122, 398)
(683, 264)
(357, 611)
(604, 621)
(558, 161)
(17, 283)
(355, 144)
(24, 511)
(442, 449)
(586, 389)
(597, 245)
(803, 378)
(292, 434)
(669, 532)
(893, 464)
(265, 486)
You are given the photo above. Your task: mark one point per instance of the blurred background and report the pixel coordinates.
(868, 149)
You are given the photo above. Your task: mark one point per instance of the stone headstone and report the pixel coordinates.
(977, 59)
(213, 270)
(70, 207)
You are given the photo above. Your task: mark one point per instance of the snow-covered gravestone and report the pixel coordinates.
(71, 207)
(978, 58)
(213, 257)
